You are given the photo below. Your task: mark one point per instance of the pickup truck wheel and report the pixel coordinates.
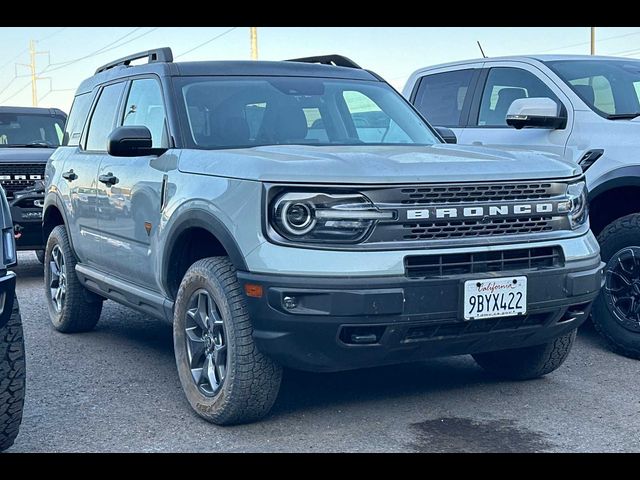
(528, 362)
(225, 378)
(72, 308)
(40, 256)
(12, 378)
(616, 311)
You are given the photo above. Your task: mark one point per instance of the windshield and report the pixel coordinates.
(250, 111)
(36, 130)
(611, 88)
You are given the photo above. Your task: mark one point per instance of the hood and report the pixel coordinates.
(369, 164)
(25, 154)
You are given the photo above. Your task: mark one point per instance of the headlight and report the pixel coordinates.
(309, 217)
(576, 204)
(9, 246)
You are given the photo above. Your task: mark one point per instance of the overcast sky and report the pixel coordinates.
(74, 52)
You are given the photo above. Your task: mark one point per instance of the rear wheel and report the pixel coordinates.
(529, 362)
(616, 311)
(72, 308)
(12, 378)
(224, 376)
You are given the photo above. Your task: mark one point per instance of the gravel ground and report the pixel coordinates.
(117, 389)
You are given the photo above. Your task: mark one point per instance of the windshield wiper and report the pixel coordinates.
(622, 116)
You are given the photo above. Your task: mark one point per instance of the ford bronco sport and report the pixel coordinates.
(12, 359)
(28, 136)
(302, 214)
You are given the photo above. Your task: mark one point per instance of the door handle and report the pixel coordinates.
(108, 179)
(70, 175)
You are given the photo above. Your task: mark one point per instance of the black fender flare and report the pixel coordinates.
(52, 199)
(627, 176)
(197, 217)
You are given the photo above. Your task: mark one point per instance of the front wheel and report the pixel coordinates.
(616, 311)
(12, 377)
(528, 362)
(224, 376)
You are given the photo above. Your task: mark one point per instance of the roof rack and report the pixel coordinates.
(155, 55)
(336, 60)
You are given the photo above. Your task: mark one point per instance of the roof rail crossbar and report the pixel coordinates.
(155, 55)
(337, 60)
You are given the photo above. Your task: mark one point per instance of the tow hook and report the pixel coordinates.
(17, 231)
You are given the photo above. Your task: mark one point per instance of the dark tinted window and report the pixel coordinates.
(77, 119)
(103, 119)
(441, 96)
(145, 107)
(18, 129)
(503, 86)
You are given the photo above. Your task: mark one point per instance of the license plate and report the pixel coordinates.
(495, 297)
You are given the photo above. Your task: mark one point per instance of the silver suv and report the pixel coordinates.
(302, 214)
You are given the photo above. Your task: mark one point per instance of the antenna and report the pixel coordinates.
(481, 50)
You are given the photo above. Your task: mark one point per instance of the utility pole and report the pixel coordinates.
(254, 42)
(593, 40)
(32, 71)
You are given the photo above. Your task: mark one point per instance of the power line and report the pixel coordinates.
(16, 93)
(587, 43)
(47, 37)
(207, 42)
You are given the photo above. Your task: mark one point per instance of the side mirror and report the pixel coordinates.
(447, 134)
(536, 112)
(131, 141)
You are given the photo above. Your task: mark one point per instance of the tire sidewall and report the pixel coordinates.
(54, 239)
(604, 319)
(202, 404)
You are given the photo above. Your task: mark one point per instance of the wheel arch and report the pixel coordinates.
(198, 223)
(614, 195)
(53, 215)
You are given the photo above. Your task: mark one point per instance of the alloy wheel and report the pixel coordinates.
(622, 287)
(57, 278)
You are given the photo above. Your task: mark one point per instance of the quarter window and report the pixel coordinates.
(503, 86)
(441, 97)
(145, 107)
(104, 115)
(77, 119)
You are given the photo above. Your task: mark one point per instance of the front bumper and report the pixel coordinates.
(342, 323)
(26, 212)
(7, 293)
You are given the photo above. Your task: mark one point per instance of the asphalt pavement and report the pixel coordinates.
(116, 389)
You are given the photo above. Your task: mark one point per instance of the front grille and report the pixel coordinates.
(11, 170)
(428, 266)
(475, 228)
(457, 329)
(446, 194)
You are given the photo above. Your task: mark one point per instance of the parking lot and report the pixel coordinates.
(117, 389)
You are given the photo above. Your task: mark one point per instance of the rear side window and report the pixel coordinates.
(441, 97)
(104, 115)
(77, 119)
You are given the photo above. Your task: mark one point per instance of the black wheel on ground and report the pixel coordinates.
(528, 362)
(224, 376)
(616, 311)
(12, 378)
(72, 308)
(40, 255)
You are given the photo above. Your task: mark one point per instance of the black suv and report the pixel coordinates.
(28, 137)
(12, 361)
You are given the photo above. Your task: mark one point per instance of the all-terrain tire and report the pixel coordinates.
(81, 308)
(623, 232)
(12, 377)
(252, 380)
(528, 362)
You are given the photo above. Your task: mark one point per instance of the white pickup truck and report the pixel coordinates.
(584, 108)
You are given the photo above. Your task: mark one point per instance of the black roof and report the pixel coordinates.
(33, 111)
(228, 68)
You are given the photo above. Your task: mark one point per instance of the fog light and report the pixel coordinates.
(290, 302)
